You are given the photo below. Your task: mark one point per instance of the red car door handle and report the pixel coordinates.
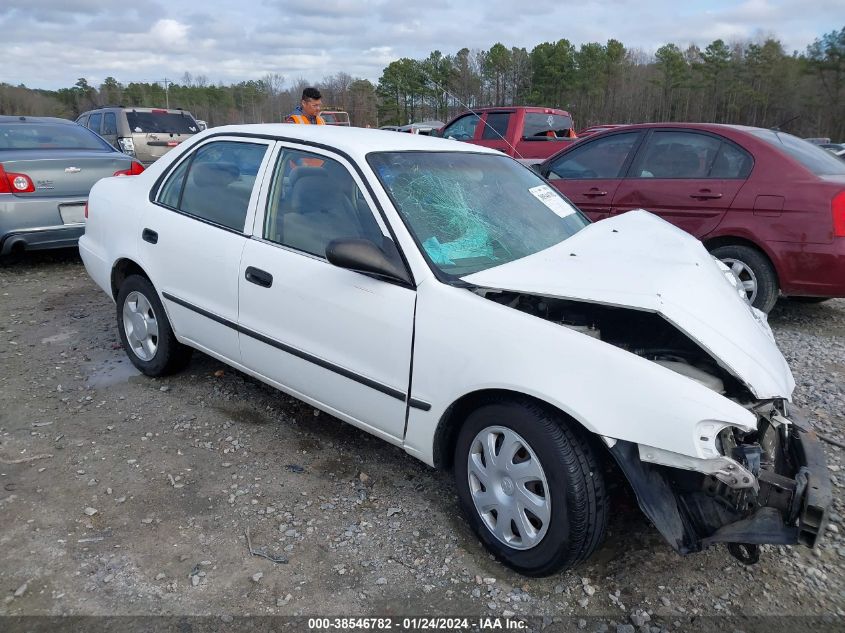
(706, 195)
(594, 193)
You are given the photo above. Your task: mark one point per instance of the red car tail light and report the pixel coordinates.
(838, 209)
(135, 169)
(86, 209)
(15, 183)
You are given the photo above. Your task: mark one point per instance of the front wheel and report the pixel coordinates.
(753, 272)
(145, 330)
(530, 486)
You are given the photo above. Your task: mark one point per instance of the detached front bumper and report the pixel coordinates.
(693, 510)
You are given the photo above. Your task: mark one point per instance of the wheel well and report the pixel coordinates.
(122, 269)
(731, 240)
(450, 423)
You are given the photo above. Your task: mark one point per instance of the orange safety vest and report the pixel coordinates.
(301, 118)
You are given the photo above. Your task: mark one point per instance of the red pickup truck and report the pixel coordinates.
(529, 134)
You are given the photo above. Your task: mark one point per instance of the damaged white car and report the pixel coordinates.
(443, 297)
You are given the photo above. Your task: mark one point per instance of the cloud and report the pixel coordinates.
(50, 43)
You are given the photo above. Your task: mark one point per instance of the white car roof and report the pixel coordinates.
(355, 141)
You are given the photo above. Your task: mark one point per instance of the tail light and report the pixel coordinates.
(15, 183)
(838, 209)
(126, 145)
(86, 209)
(135, 169)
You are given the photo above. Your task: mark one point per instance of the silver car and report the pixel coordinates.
(47, 168)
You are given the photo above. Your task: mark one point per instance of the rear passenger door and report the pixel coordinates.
(591, 171)
(193, 235)
(95, 122)
(110, 128)
(688, 178)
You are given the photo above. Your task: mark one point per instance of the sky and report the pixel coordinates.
(51, 43)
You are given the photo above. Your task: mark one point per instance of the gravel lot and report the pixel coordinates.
(121, 494)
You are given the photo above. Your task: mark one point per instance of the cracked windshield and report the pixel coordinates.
(471, 212)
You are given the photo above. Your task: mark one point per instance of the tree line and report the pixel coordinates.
(751, 83)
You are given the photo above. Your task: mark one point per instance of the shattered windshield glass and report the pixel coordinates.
(471, 212)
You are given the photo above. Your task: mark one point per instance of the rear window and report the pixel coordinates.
(539, 124)
(49, 136)
(817, 160)
(162, 122)
(335, 117)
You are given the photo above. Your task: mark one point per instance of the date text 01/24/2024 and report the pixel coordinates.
(456, 624)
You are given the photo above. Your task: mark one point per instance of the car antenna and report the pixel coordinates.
(439, 87)
(777, 128)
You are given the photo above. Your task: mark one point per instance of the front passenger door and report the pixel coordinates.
(338, 339)
(590, 172)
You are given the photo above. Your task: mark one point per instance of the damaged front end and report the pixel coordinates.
(766, 483)
(771, 486)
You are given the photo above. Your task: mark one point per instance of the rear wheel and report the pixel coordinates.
(530, 486)
(753, 272)
(145, 330)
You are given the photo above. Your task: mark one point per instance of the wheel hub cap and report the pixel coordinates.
(509, 487)
(140, 325)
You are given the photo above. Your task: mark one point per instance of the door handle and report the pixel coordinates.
(148, 235)
(258, 277)
(594, 193)
(706, 195)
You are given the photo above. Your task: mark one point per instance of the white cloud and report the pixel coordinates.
(50, 43)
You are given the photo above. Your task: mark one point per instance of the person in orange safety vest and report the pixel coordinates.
(308, 111)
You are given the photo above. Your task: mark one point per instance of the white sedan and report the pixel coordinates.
(444, 298)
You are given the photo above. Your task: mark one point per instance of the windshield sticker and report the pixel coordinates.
(548, 197)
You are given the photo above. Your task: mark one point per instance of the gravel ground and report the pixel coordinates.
(128, 495)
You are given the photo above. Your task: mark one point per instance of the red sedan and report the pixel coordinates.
(768, 204)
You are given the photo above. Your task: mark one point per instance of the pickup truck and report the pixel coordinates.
(529, 134)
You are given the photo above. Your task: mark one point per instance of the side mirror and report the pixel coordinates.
(364, 256)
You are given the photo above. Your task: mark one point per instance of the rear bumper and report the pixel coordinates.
(65, 236)
(36, 223)
(692, 512)
(816, 270)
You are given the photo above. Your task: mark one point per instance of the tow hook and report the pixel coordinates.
(745, 553)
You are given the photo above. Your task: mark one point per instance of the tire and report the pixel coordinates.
(754, 270)
(139, 308)
(569, 481)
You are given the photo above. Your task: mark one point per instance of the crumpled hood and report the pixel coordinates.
(640, 261)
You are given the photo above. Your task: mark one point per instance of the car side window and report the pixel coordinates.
(94, 122)
(496, 125)
(463, 129)
(109, 124)
(83, 120)
(600, 158)
(215, 183)
(731, 162)
(677, 154)
(314, 200)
